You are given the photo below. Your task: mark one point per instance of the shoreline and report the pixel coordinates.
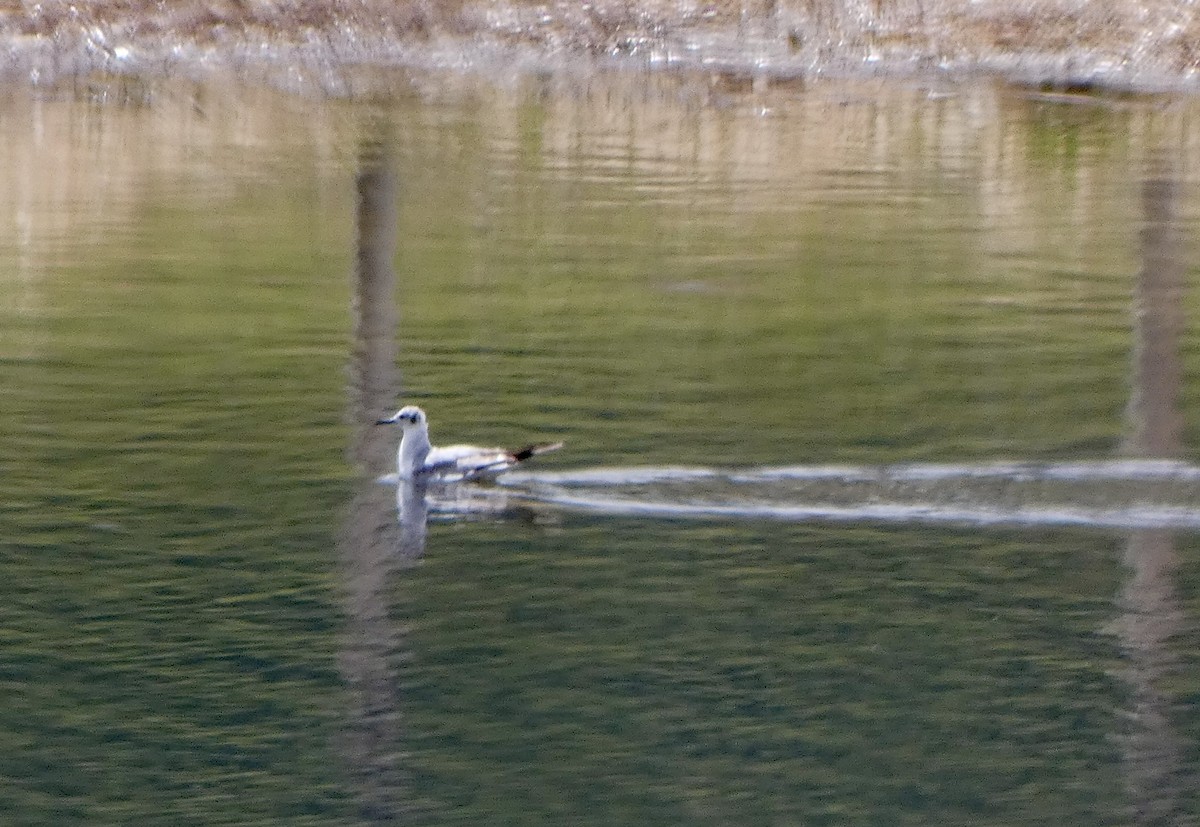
(328, 48)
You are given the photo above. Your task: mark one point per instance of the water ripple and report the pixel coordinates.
(1131, 494)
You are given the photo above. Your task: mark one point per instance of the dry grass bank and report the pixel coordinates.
(1123, 43)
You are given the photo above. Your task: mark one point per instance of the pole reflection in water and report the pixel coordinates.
(372, 546)
(1150, 612)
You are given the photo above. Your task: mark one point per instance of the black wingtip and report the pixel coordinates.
(533, 450)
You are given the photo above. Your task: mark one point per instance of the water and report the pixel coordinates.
(1124, 494)
(955, 300)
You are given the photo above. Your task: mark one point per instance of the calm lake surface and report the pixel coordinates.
(213, 612)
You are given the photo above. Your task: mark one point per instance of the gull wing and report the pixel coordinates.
(468, 462)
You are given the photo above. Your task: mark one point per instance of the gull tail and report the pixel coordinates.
(533, 450)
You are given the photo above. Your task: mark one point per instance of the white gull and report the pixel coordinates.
(418, 459)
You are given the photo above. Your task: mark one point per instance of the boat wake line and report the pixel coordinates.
(1131, 494)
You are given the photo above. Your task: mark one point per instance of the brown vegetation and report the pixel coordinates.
(1108, 42)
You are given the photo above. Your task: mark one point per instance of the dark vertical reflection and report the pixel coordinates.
(369, 545)
(1150, 613)
(1155, 418)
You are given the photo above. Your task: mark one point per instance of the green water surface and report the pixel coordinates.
(659, 271)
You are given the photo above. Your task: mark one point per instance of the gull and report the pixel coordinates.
(418, 459)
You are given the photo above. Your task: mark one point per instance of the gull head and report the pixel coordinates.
(409, 416)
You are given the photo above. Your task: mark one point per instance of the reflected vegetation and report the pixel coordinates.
(1151, 614)
(372, 547)
(858, 295)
